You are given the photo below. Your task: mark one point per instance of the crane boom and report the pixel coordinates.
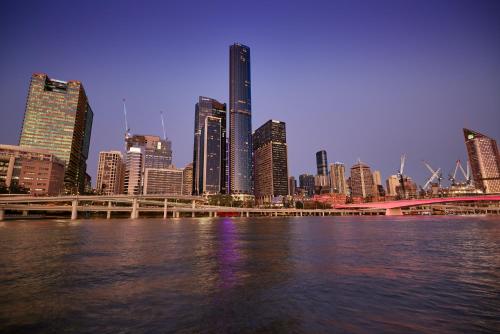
(163, 126)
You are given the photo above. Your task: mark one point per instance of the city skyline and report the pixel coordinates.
(382, 142)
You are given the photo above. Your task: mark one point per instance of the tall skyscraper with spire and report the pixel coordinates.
(240, 121)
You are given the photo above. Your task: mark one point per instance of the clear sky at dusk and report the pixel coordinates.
(360, 79)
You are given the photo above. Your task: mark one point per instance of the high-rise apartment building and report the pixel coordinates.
(321, 163)
(361, 181)
(484, 161)
(337, 178)
(209, 153)
(377, 178)
(133, 171)
(163, 181)
(187, 179)
(240, 121)
(58, 118)
(306, 182)
(110, 173)
(271, 161)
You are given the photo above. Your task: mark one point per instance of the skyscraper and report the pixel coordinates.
(484, 161)
(110, 173)
(361, 181)
(271, 161)
(157, 152)
(240, 121)
(377, 178)
(392, 183)
(292, 185)
(337, 178)
(322, 182)
(58, 118)
(209, 152)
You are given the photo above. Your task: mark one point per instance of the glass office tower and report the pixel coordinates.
(209, 151)
(240, 121)
(58, 118)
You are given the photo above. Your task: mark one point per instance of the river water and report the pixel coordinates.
(247, 275)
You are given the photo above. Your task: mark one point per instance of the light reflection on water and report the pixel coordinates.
(307, 274)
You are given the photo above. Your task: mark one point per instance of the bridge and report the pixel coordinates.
(195, 206)
(394, 208)
(169, 205)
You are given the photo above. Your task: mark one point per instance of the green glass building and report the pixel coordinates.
(58, 118)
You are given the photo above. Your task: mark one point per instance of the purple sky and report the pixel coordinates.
(361, 79)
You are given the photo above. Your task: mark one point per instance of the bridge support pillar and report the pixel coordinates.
(135, 209)
(2, 214)
(108, 213)
(193, 215)
(215, 213)
(394, 212)
(25, 213)
(74, 209)
(193, 204)
(165, 208)
(248, 214)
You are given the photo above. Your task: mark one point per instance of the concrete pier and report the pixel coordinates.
(74, 209)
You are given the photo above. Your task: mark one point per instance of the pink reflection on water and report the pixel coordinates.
(228, 254)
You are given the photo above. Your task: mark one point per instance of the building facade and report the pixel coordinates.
(187, 179)
(58, 118)
(132, 184)
(157, 152)
(361, 181)
(210, 147)
(35, 170)
(292, 185)
(337, 178)
(391, 183)
(110, 173)
(163, 181)
(484, 161)
(240, 121)
(306, 182)
(271, 161)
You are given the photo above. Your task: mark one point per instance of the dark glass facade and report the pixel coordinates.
(58, 118)
(321, 162)
(240, 121)
(271, 161)
(213, 134)
(306, 182)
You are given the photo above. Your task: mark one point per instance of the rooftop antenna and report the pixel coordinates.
(127, 129)
(163, 126)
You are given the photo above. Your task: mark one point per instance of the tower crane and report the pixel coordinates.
(163, 126)
(435, 175)
(127, 129)
(401, 175)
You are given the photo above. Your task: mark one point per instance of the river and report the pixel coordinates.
(246, 275)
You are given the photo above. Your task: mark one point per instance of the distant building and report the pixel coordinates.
(38, 171)
(392, 182)
(58, 118)
(110, 173)
(322, 180)
(209, 152)
(361, 181)
(163, 181)
(240, 121)
(337, 177)
(306, 182)
(292, 185)
(484, 161)
(410, 189)
(187, 179)
(270, 161)
(133, 171)
(377, 178)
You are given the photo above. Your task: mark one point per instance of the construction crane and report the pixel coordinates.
(435, 175)
(466, 175)
(127, 129)
(163, 126)
(401, 175)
